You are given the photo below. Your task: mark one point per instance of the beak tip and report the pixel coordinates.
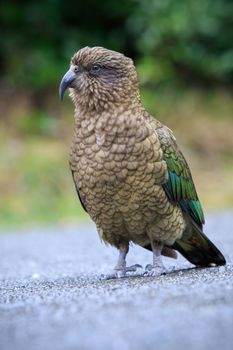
(68, 78)
(61, 94)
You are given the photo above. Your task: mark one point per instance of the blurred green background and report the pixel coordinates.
(184, 57)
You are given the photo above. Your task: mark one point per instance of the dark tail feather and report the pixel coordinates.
(166, 251)
(198, 249)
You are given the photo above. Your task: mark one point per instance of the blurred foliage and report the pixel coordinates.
(37, 186)
(35, 181)
(172, 39)
(41, 36)
(184, 57)
(185, 39)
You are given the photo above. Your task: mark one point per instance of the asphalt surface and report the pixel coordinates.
(52, 296)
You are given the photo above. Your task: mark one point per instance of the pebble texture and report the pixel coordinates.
(52, 296)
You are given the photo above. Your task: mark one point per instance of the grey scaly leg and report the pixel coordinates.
(121, 269)
(157, 268)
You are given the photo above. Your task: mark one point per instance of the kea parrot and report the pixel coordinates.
(129, 172)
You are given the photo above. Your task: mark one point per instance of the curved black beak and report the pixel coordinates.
(68, 78)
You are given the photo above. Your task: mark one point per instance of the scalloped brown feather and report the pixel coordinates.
(116, 158)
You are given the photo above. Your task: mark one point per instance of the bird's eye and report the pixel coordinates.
(77, 68)
(95, 68)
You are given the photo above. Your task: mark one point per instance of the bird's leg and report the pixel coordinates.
(121, 263)
(157, 268)
(121, 269)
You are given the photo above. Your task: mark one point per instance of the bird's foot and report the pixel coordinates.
(154, 270)
(120, 272)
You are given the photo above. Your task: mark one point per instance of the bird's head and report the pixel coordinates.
(99, 79)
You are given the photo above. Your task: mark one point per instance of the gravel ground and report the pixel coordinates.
(52, 296)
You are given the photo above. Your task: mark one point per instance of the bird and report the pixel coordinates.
(129, 172)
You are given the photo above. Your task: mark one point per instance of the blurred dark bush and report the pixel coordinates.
(171, 39)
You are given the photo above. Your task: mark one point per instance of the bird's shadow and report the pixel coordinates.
(171, 272)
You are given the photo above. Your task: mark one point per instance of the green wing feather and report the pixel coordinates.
(179, 187)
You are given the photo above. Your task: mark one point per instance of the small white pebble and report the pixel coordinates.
(221, 268)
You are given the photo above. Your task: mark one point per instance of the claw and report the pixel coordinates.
(113, 275)
(121, 272)
(133, 268)
(154, 271)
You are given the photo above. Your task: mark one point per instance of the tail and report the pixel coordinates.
(195, 247)
(198, 249)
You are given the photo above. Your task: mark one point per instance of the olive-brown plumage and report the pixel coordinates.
(129, 174)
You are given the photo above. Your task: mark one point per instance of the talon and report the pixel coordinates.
(148, 267)
(133, 268)
(138, 266)
(121, 272)
(154, 271)
(113, 275)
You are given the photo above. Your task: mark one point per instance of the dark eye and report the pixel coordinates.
(77, 68)
(95, 68)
